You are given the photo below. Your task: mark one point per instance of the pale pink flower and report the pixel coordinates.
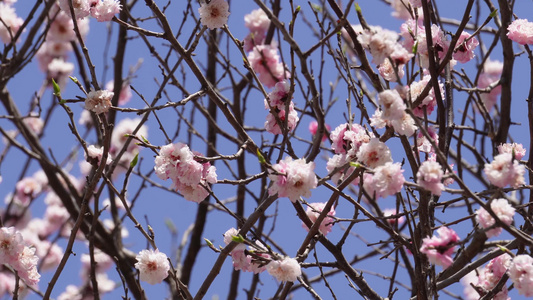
(380, 42)
(389, 212)
(439, 249)
(98, 101)
(26, 266)
(422, 142)
(521, 274)
(229, 234)
(374, 153)
(337, 161)
(287, 269)
(125, 93)
(102, 260)
(105, 10)
(429, 102)
(503, 210)
(96, 153)
(279, 95)
(521, 31)
(492, 71)
(59, 70)
(392, 105)
(272, 126)
(242, 261)
(265, 60)
(11, 244)
(153, 266)
(347, 141)
(429, 177)
(257, 22)
(71, 292)
(82, 8)
(126, 127)
(313, 212)
(293, 178)
(465, 52)
(35, 124)
(13, 22)
(412, 27)
(387, 71)
(387, 180)
(214, 14)
(518, 150)
(504, 170)
(62, 28)
(27, 189)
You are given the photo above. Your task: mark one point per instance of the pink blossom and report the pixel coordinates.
(492, 71)
(272, 126)
(521, 274)
(504, 170)
(96, 153)
(27, 189)
(125, 93)
(120, 135)
(413, 28)
(422, 142)
(464, 52)
(35, 124)
(313, 212)
(387, 180)
(338, 161)
(241, 260)
(429, 177)
(105, 10)
(98, 101)
(387, 71)
(279, 95)
(287, 269)
(153, 266)
(439, 249)
(26, 266)
(374, 153)
(503, 210)
(390, 212)
(214, 14)
(518, 150)
(257, 22)
(313, 127)
(521, 31)
(293, 178)
(429, 102)
(264, 59)
(11, 20)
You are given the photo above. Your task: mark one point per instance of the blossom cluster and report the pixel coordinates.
(292, 178)
(98, 101)
(314, 210)
(256, 259)
(503, 210)
(101, 10)
(105, 285)
(279, 104)
(264, 58)
(393, 114)
(190, 177)
(505, 170)
(17, 254)
(487, 278)
(10, 24)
